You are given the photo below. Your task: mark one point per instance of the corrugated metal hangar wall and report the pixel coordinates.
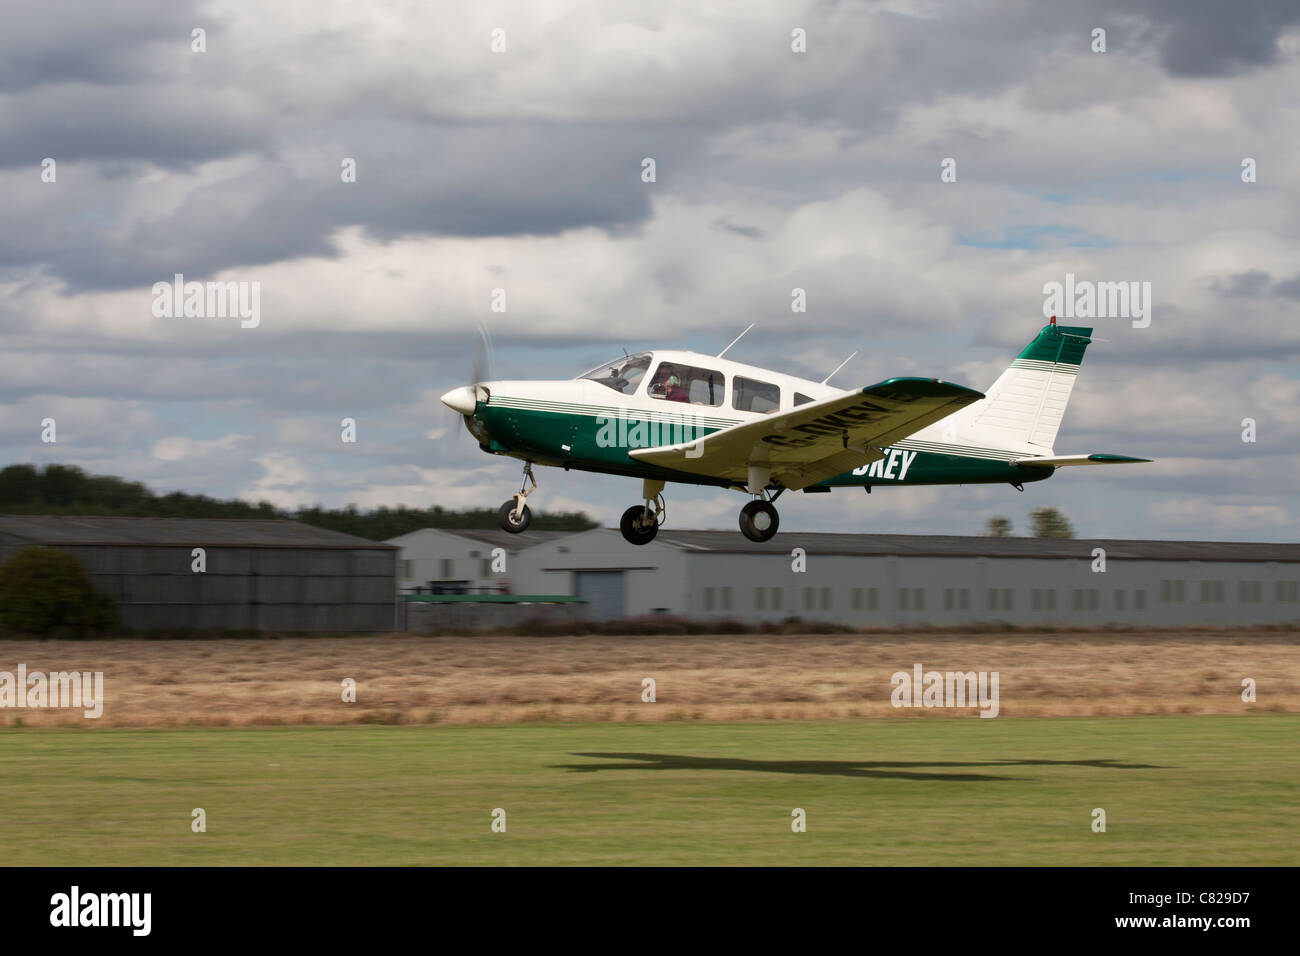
(260, 575)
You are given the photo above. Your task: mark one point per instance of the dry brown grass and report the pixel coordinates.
(408, 679)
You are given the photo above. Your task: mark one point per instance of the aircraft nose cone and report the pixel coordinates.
(462, 400)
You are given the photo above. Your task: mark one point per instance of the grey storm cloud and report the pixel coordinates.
(1214, 37)
(1245, 285)
(116, 88)
(73, 41)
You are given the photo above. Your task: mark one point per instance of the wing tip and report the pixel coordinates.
(945, 388)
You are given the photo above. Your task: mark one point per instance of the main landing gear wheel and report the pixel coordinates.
(758, 520)
(639, 524)
(512, 518)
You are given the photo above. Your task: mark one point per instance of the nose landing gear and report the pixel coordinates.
(514, 515)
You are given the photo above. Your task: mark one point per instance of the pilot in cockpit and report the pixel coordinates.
(667, 384)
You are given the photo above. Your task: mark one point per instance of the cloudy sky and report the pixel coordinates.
(522, 170)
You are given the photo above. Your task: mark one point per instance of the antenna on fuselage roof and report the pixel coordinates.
(838, 367)
(735, 340)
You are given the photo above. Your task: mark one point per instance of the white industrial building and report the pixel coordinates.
(893, 580)
(461, 560)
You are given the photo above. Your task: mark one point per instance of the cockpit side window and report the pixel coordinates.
(751, 395)
(676, 382)
(623, 374)
(801, 399)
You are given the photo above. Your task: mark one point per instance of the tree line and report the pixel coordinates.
(67, 490)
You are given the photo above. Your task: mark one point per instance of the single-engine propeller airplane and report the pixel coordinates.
(665, 416)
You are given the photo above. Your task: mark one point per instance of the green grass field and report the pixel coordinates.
(1176, 790)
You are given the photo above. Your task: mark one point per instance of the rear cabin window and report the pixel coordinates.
(801, 399)
(751, 395)
(689, 384)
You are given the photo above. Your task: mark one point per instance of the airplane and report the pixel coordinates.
(677, 416)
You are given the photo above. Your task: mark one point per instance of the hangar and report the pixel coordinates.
(868, 580)
(268, 575)
(461, 560)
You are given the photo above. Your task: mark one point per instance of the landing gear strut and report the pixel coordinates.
(758, 519)
(514, 515)
(640, 523)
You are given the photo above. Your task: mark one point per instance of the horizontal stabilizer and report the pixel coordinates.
(1065, 460)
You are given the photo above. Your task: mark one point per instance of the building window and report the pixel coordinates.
(1119, 600)
(1078, 599)
(826, 599)
(1094, 599)
(1140, 600)
(759, 602)
(485, 567)
(855, 599)
(902, 598)
(947, 599)
(807, 599)
(407, 571)
(1036, 599)
(751, 395)
(446, 567)
(918, 599)
(963, 599)
(1287, 592)
(993, 599)
(1051, 599)
(873, 598)
(708, 599)
(776, 599)
(725, 594)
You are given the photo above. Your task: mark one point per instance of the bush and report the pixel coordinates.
(47, 591)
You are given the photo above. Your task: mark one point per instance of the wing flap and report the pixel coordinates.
(818, 440)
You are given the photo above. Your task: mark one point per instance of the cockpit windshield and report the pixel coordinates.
(622, 374)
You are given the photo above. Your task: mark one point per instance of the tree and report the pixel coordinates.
(1050, 523)
(67, 490)
(18, 484)
(47, 591)
(998, 527)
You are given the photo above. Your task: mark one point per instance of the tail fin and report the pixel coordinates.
(1027, 402)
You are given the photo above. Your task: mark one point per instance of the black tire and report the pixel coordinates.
(759, 520)
(505, 517)
(638, 525)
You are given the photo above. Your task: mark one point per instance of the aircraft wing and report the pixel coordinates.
(1064, 460)
(818, 440)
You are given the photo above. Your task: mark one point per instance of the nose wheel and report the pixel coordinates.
(514, 515)
(759, 520)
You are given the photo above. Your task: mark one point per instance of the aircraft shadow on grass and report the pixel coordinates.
(889, 769)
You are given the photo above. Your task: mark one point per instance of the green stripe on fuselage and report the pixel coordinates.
(600, 443)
